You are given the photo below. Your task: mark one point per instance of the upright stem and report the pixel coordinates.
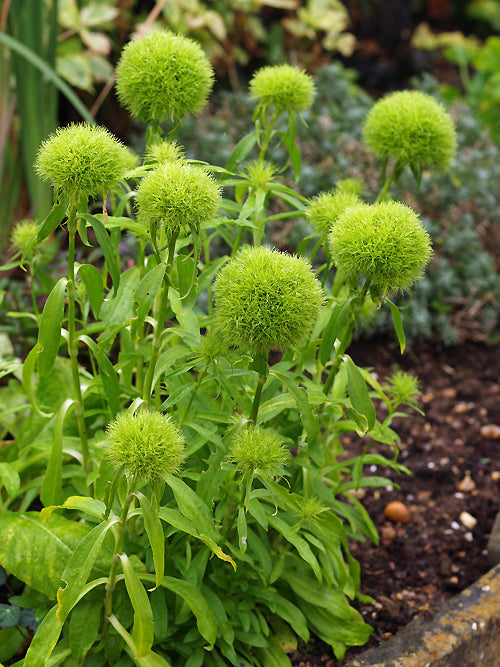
(73, 343)
(122, 528)
(160, 322)
(345, 339)
(256, 400)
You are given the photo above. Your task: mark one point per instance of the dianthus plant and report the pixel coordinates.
(178, 419)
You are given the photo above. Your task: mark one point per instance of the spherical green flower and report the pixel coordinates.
(163, 75)
(258, 450)
(266, 299)
(146, 444)
(412, 128)
(83, 160)
(176, 195)
(386, 243)
(287, 87)
(164, 151)
(23, 235)
(324, 209)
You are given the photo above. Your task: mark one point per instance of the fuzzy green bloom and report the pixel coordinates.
(163, 75)
(386, 243)
(403, 387)
(324, 209)
(23, 234)
(176, 195)
(213, 345)
(83, 160)
(413, 128)
(266, 299)
(258, 450)
(165, 151)
(260, 174)
(287, 87)
(146, 444)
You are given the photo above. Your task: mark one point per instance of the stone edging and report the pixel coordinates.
(463, 632)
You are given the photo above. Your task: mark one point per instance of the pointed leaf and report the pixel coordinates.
(92, 280)
(358, 392)
(53, 220)
(332, 330)
(146, 292)
(44, 641)
(49, 334)
(299, 394)
(106, 246)
(398, 325)
(10, 479)
(84, 625)
(154, 531)
(143, 630)
(51, 492)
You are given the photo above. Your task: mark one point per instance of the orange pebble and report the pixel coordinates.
(397, 511)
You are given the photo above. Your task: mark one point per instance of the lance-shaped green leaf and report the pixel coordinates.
(110, 382)
(36, 554)
(53, 220)
(146, 292)
(299, 394)
(92, 280)
(143, 630)
(85, 504)
(241, 150)
(10, 479)
(51, 492)
(358, 392)
(106, 246)
(84, 625)
(44, 641)
(80, 564)
(150, 660)
(186, 279)
(332, 330)
(49, 333)
(298, 542)
(398, 325)
(192, 506)
(195, 600)
(154, 531)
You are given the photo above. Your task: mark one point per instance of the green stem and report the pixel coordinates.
(201, 377)
(386, 186)
(345, 338)
(237, 242)
(268, 132)
(257, 397)
(73, 343)
(160, 312)
(122, 528)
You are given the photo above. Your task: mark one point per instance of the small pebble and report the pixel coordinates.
(397, 511)
(467, 484)
(490, 431)
(468, 520)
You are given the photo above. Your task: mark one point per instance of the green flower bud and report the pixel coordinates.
(403, 388)
(260, 174)
(413, 128)
(147, 445)
(324, 210)
(266, 299)
(163, 75)
(83, 160)
(257, 450)
(23, 235)
(165, 151)
(287, 87)
(386, 243)
(213, 345)
(175, 196)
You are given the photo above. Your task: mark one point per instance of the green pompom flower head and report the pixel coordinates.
(287, 88)
(83, 161)
(256, 450)
(163, 75)
(147, 445)
(177, 196)
(412, 128)
(403, 388)
(23, 237)
(324, 209)
(266, 299)
(384, 243)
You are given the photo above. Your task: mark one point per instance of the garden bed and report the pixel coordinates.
(455, 464)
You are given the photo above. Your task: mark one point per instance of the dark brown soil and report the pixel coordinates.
(454, 455)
